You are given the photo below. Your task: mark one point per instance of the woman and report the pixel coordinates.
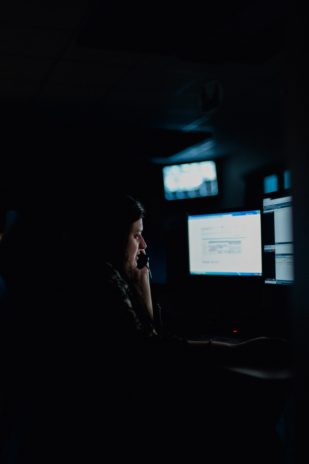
(120, 382)
(126, 284)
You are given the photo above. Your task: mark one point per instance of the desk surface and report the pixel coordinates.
(263, 372)
(259, 357)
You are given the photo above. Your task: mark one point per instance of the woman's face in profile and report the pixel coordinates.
(135, 244)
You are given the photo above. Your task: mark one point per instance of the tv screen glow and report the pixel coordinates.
(190, 180)
(227, 243)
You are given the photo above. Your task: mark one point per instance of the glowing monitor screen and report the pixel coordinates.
(227, 243)
(190, 180)
(278, 250)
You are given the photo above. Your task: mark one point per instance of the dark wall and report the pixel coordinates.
(60, 159)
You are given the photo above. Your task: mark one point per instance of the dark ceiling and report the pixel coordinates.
(209, 32)
(181, 75)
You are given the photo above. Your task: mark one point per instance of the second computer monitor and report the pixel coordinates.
(278, 249)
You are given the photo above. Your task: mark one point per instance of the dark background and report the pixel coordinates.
(96, 93)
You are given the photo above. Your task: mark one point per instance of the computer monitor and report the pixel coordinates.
(190, 180)
(225, 243)
(277, 233)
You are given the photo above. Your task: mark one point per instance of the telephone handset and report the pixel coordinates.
(142, 260)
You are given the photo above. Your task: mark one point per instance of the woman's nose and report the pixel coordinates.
(143, 244)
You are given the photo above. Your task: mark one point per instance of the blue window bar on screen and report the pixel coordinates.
(271, 183)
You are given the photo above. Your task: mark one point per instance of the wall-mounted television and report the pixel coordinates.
(226, 243)
(278, 247)
(190, 180)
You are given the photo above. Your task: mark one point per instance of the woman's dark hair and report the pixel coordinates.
(122, 211)
(100, 225)
(126, 210)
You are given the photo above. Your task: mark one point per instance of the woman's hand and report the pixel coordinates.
(140, 279)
